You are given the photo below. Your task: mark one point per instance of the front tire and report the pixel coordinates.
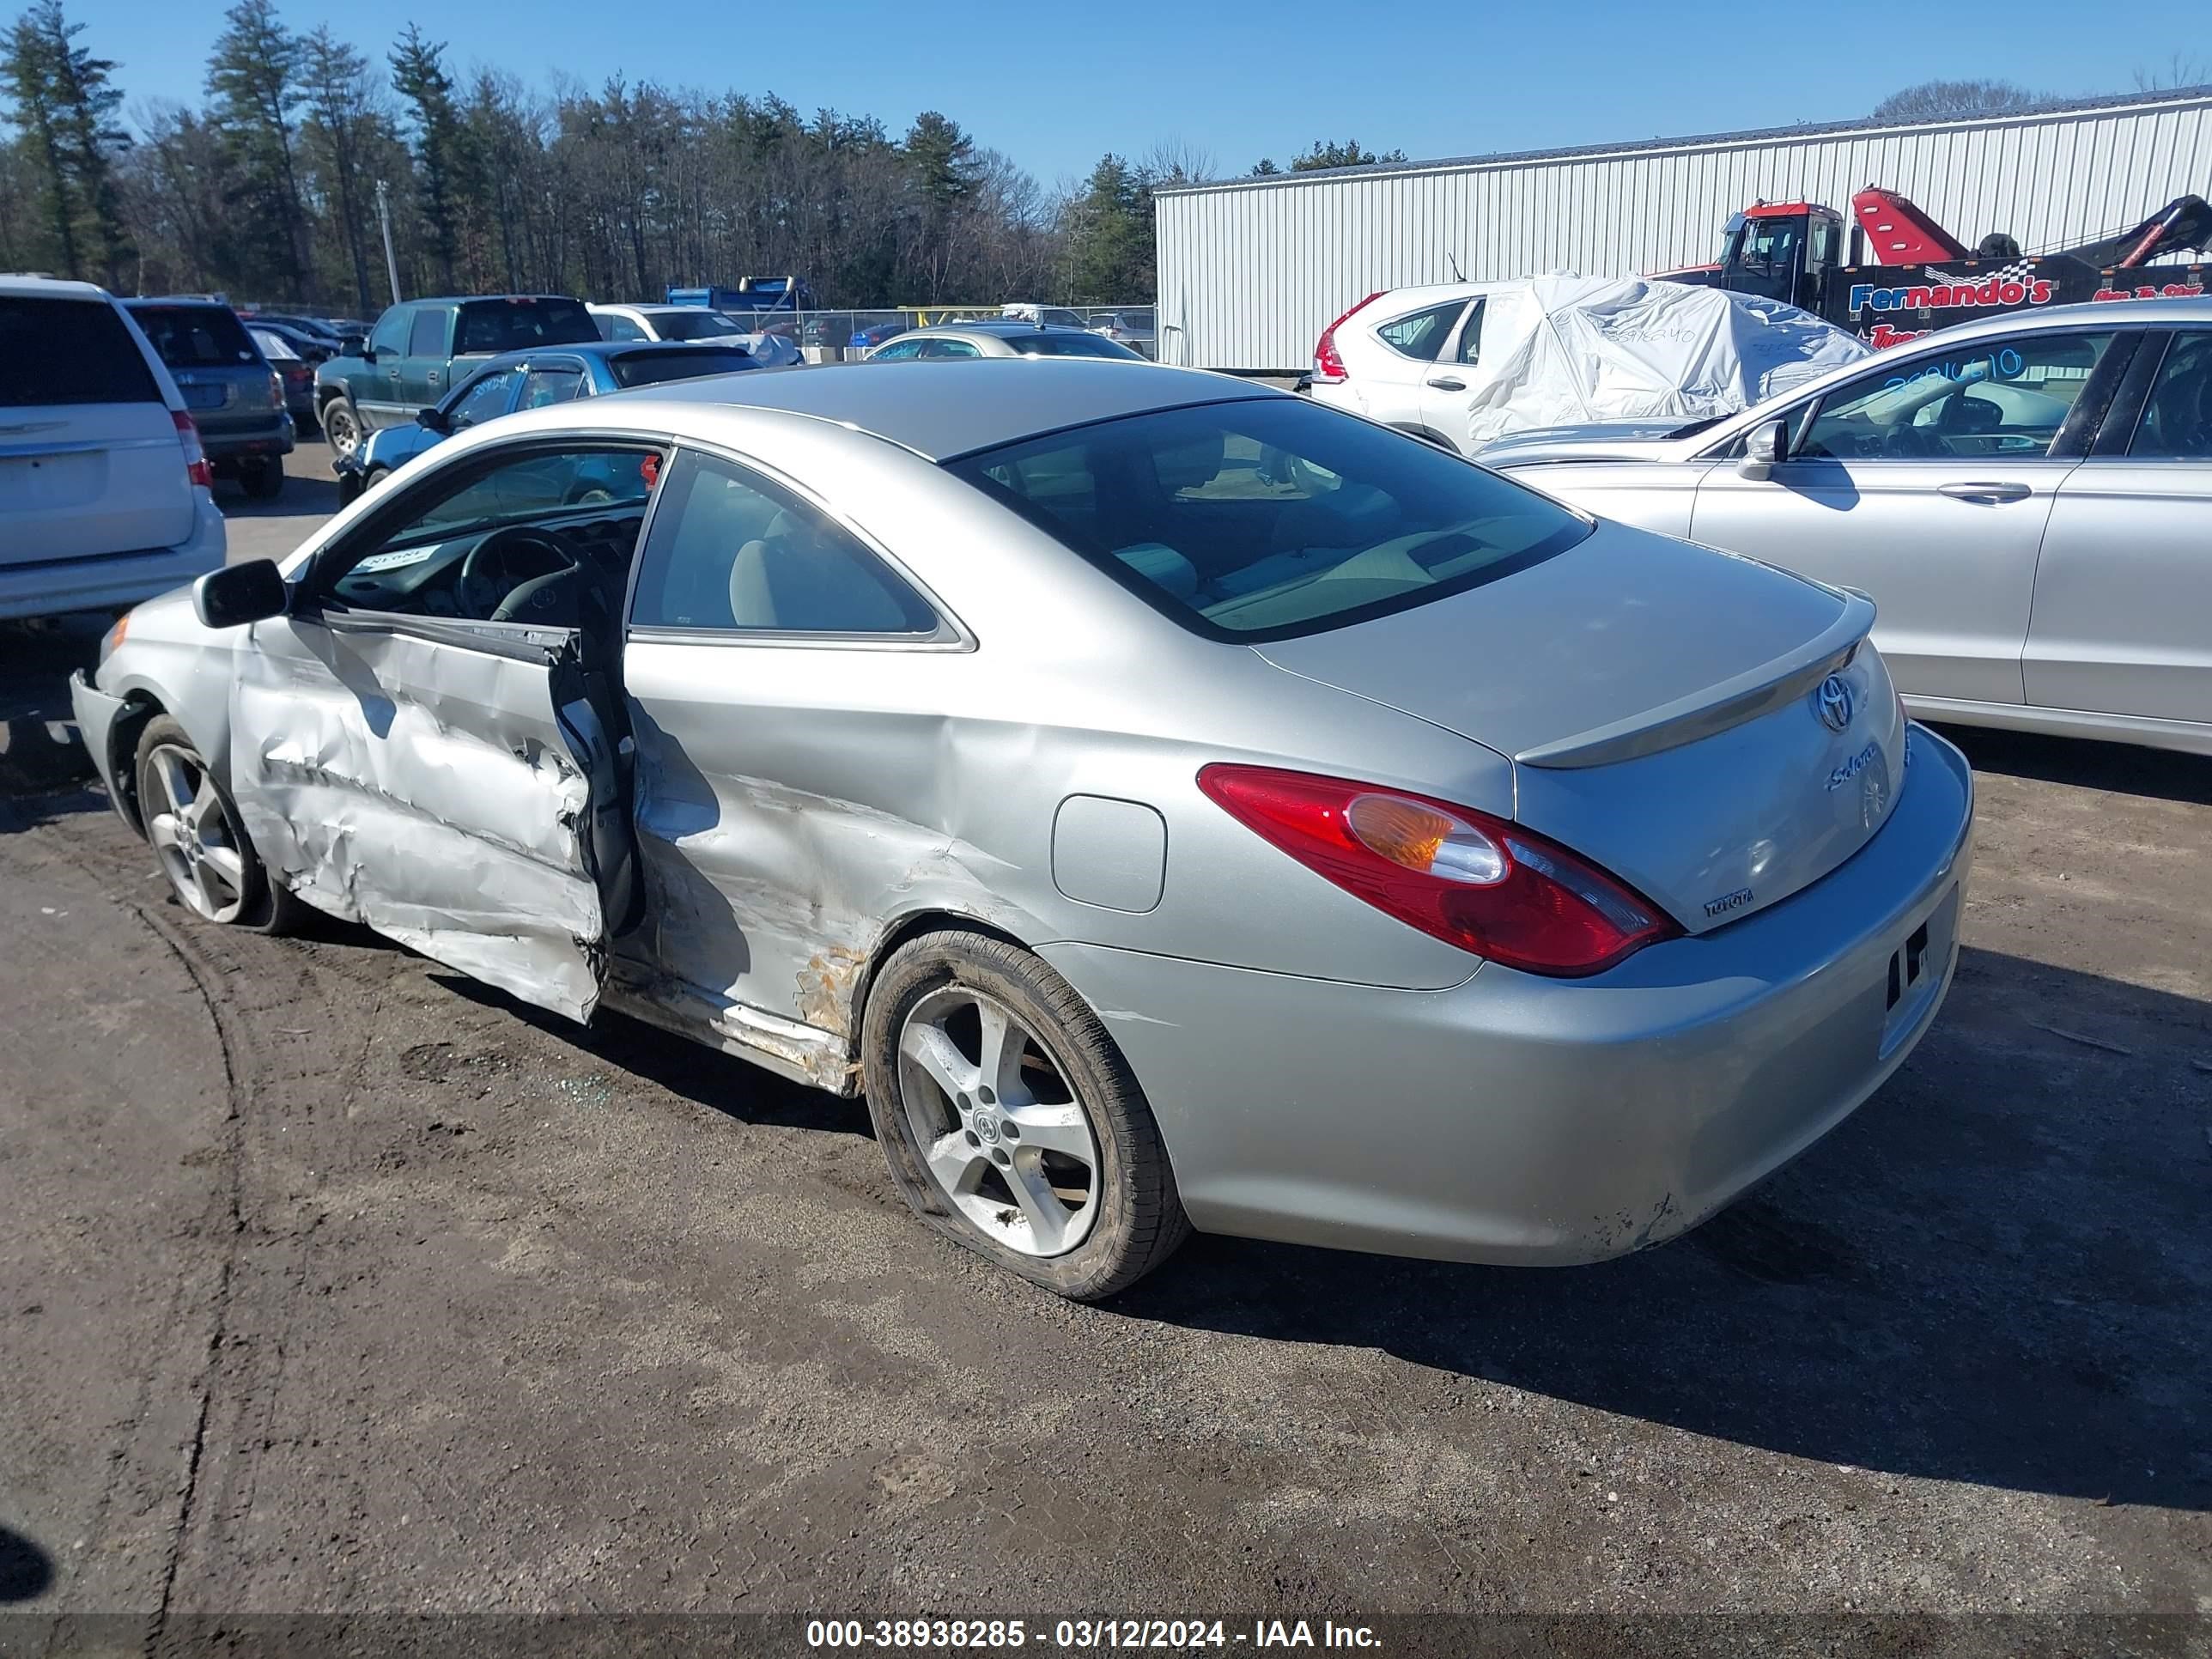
(194, 828)
(1010, 1120)
(342, 425)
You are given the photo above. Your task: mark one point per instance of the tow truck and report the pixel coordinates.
(1920, 277)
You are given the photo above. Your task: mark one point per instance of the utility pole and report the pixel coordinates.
(383, 218)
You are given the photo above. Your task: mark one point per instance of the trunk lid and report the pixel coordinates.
(1716, 732)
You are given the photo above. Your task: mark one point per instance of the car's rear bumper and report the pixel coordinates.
(273, 436)
(50, 587)
(1518, 1119)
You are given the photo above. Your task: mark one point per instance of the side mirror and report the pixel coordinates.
(1764, 447)
(240, 593)
(430, 419)
(368, 352)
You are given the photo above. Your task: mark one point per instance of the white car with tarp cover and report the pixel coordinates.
(1464, 363)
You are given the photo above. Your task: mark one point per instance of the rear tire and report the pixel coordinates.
(1035, 1148)
(341, 423)
(198, 840)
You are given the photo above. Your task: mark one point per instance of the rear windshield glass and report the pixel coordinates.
(1272, 517)
(651, 367)
(519, 325)
(68, 351)
(1067, 345)
(694, 324)
(197, 337)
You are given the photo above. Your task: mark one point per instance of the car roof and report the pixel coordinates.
(942, 409)
(176, 300)
(2156, 313)
(26, 285)
(465, 299)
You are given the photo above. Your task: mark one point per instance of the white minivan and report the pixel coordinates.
(104, 493)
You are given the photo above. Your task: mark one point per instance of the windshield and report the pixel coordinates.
(1068, 345)
(273, 346)
(694, 324)
(1274, 517)
(196, 337)
(652, 367)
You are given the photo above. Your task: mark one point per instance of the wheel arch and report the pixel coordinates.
(907, 928)
(140, 708)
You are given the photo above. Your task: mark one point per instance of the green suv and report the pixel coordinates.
(420, 348)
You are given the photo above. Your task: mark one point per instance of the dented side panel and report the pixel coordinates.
(771, 883)
(439, 792)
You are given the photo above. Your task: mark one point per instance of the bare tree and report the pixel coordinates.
(1938, 100)
(2180, 71)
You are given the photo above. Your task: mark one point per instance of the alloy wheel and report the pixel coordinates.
(340, 431)
(192, 834)
(1000, 1130)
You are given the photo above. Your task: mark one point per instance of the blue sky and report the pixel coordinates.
(1055, 87)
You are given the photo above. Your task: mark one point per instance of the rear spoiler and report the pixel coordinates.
(1717, 707)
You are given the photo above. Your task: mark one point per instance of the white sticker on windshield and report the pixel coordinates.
(378, 563)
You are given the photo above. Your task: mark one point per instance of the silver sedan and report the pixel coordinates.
(2026, 499)
(1174, 803)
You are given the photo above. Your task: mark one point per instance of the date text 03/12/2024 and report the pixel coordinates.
(1085, 1634)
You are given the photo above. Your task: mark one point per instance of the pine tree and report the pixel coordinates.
(418, 74)
(254, 81)
(33, 82)
(341, 113)
(1110, 249)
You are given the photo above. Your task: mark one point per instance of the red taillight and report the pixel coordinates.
(1328, 363)
(196, 462)
(276, 391)
(1481, 882)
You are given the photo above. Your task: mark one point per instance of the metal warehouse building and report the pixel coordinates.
(1252, 270)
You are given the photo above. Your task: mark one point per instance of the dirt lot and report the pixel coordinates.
(329, 1282)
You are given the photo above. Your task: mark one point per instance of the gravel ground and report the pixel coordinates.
(329, 1282)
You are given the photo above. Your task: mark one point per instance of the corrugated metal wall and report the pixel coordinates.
(1249, 274)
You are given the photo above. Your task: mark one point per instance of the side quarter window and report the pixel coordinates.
(733, 549)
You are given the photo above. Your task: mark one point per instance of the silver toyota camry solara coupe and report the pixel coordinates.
(1173, 803)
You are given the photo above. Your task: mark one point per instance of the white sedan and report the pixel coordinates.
(2024, 498)
(692, 323)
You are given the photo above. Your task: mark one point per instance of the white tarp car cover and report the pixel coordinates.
(1557, 350)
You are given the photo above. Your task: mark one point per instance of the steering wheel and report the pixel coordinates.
(1963, 412)
(1908, 442)
(504, 561)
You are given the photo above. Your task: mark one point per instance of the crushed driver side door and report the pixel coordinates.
(458, 793)
(457, 784)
